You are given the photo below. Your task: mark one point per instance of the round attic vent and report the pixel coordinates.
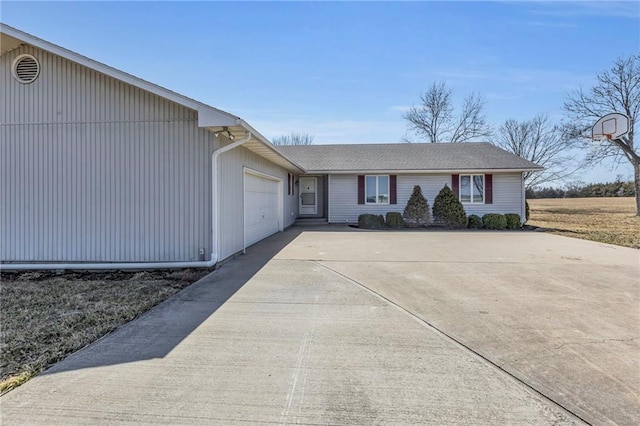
(26, 69)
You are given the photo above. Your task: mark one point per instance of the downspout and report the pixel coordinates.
(215, 217)
(150, 265)
(524, 201)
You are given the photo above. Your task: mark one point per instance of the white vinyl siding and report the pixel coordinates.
(344, 207)
(231, 166)
(95, 170)
(507, 196)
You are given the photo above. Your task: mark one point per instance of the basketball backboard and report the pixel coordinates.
(610, 126)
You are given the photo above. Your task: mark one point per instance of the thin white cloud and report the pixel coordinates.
(616, 9)
(530, 78)
(549, 24)
(496, 96)
(400, 108)
(333, 130)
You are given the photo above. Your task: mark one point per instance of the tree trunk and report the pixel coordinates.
(636, 176)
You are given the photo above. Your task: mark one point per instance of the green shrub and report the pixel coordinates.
(448, 210)
(395, 220)
(494, 221)
(370, 221)
(513, 220)
(475, 222)
(417, 209)
(526, 210)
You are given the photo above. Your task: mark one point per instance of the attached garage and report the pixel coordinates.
(164, 185)
(262, 206)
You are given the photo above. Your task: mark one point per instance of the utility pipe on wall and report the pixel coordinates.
(152, 265)
(215, 216)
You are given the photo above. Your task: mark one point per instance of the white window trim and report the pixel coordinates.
(484, 188)
(377, 192)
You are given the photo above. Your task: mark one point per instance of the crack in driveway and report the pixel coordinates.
(451, 338)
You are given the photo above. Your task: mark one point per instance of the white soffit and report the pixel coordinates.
(260, 145)
(8, 43)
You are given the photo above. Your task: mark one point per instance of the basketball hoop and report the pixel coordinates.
(601, 136)
(610, 126)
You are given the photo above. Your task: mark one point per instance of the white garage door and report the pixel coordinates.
(261, 207)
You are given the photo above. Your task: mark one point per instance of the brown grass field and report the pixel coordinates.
(606, 220)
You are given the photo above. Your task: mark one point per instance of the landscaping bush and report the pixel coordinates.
(417, 209)
(526, 210)
(448, 210)
(475, 222)
(395, 220)
(494, 221)
(370, 221)
(513, 220)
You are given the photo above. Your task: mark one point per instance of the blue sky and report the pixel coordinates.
(346, 71)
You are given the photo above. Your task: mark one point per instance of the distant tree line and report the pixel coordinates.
(579, 190)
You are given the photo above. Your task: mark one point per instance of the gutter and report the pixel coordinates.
(417, 171)
(151, 265)
(240, 122)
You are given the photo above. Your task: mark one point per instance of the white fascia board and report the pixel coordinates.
(422, 172)
(208, 116)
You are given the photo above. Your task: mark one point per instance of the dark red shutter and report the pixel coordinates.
(393, 194)
(360, 189)
(288, 183)
(488, 189)
(455, 185)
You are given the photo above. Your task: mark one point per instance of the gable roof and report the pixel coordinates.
(209, 117)
(11, 38)
(405, 157)
(441, 157)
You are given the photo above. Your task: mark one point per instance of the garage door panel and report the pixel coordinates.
(262, 208)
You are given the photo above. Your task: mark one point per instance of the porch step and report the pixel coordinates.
(311, 221)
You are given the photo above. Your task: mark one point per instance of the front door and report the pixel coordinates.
(308, 195)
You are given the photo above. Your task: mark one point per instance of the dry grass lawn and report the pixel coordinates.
(46, 316)
(607, 220)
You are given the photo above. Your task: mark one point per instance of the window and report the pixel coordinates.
(377, 189)
(291, 182)
(472, 189)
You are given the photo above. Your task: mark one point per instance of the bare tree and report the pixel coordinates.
(294, 139)
(617, 90)
(434, 119)
(540, 141)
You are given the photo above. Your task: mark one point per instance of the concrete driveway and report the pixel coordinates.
(370, 328)
(560, 314)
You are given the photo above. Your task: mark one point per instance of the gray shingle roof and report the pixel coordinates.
(404, 156)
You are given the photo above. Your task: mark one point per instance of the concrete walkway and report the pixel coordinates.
(282, 340)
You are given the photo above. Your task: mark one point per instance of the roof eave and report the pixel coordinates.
(208, 116)
(270, 151)
(422, 171)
